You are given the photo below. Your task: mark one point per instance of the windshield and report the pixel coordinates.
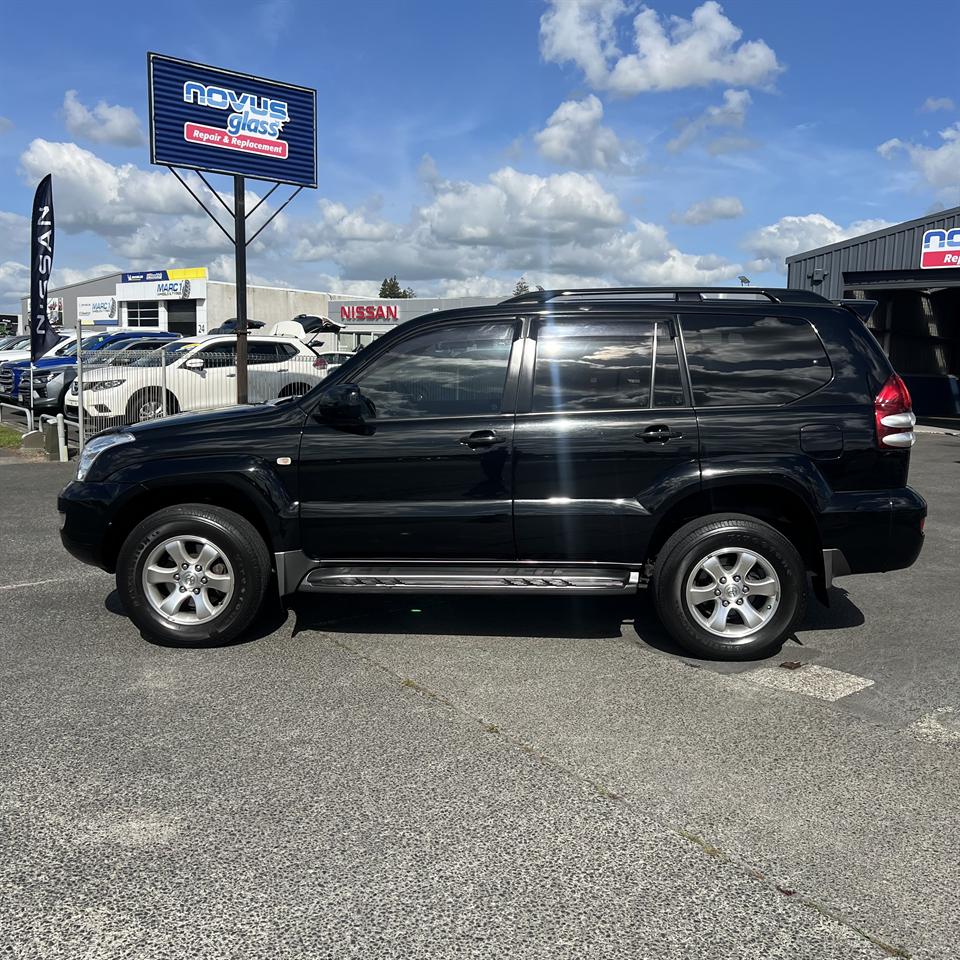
(165, 355)
(90, 343)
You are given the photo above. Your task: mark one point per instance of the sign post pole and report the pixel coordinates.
(240, 245)
(210, 120)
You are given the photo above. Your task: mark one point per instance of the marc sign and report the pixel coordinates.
(941, 248)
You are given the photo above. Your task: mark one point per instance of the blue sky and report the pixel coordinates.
(464, 144)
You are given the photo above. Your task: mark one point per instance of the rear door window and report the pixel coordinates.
(746, 361)
(605, 366)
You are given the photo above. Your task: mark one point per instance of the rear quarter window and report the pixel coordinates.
(744, 360)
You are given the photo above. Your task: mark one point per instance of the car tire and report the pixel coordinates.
(215, 597)
(150, 397)
(717, 603)
(294, 390)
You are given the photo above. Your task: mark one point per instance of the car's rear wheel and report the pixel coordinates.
(148, 404)
(729, 587)
(193, 575)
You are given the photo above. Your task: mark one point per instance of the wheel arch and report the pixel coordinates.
(229, 492)
(781, 507)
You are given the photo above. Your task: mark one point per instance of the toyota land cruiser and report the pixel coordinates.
(717, 445)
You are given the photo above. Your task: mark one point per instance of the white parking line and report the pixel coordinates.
(810, 679)
(41, 583)
(941, 726)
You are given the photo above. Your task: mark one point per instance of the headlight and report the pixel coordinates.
(96, 446)
(39, 378)
(103, 384)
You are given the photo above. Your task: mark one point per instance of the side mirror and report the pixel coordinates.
(194, 363)
(342, 402)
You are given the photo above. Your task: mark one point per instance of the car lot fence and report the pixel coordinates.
(127, 387)
(15, 411)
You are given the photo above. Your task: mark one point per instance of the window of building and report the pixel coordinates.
(737, 361)
(605, 366)
(143, 313)
(457, 371)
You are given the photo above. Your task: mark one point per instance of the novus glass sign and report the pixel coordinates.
(206, 118)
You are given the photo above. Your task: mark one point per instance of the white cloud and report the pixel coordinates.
(105, 123)
(471, 236)
(789, 235)
(584, 32)
(64, 276)
(711, 209)
(939, 166)
(932, 104)
(517, 208)
(92, 194)
(5, 124)
(14, 235)
(730, 114)
(575, 137)
(477, 286)
(14, 284)
(680, 53)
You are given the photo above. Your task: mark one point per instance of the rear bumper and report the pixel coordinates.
(872, 532)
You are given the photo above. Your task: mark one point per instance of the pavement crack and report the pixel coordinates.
(601, 790)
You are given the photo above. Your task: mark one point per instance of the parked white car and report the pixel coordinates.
(21, 351)
(196, 373)
(331, 359)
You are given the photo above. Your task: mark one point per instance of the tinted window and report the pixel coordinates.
(260, 352)
(286, 350)
(592, 366)
(219, 355)
(752, 360)
(456, 371)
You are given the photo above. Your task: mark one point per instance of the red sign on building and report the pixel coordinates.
(370, 311)
(941, 248)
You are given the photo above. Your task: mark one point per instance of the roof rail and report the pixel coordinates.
(677, 294)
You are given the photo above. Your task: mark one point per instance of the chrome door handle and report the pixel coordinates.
(659, 433)
(482, 438)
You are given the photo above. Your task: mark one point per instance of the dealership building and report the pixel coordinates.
(912, 270)
(187, 302)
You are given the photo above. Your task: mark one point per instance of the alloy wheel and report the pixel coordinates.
(732, 593)
(188, 580)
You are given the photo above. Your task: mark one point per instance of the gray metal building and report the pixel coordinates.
(913, 271)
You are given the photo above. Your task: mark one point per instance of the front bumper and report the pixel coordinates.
(87, 513)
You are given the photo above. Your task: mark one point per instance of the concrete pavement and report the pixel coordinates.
(420, 777)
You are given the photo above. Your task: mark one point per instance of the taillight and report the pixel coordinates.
(893, 411)
(320, 363)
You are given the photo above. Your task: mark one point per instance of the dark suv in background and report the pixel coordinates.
(718, 445)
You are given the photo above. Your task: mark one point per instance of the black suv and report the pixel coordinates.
(718, 445)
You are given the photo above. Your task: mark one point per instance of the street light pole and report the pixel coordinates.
(240, 244)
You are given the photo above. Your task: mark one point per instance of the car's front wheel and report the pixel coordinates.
(729, 587)
(193, 574)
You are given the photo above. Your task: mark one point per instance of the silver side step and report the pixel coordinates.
(439, 578)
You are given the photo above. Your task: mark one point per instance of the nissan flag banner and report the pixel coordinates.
(42, 335)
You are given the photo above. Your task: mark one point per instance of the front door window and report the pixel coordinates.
(459, 371)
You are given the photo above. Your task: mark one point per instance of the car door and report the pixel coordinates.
(214, 384)
(604, 433)
(267, 366)
(427, 475)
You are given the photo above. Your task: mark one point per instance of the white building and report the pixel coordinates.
(187, 302)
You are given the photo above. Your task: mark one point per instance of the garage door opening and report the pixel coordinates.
(919, 331)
